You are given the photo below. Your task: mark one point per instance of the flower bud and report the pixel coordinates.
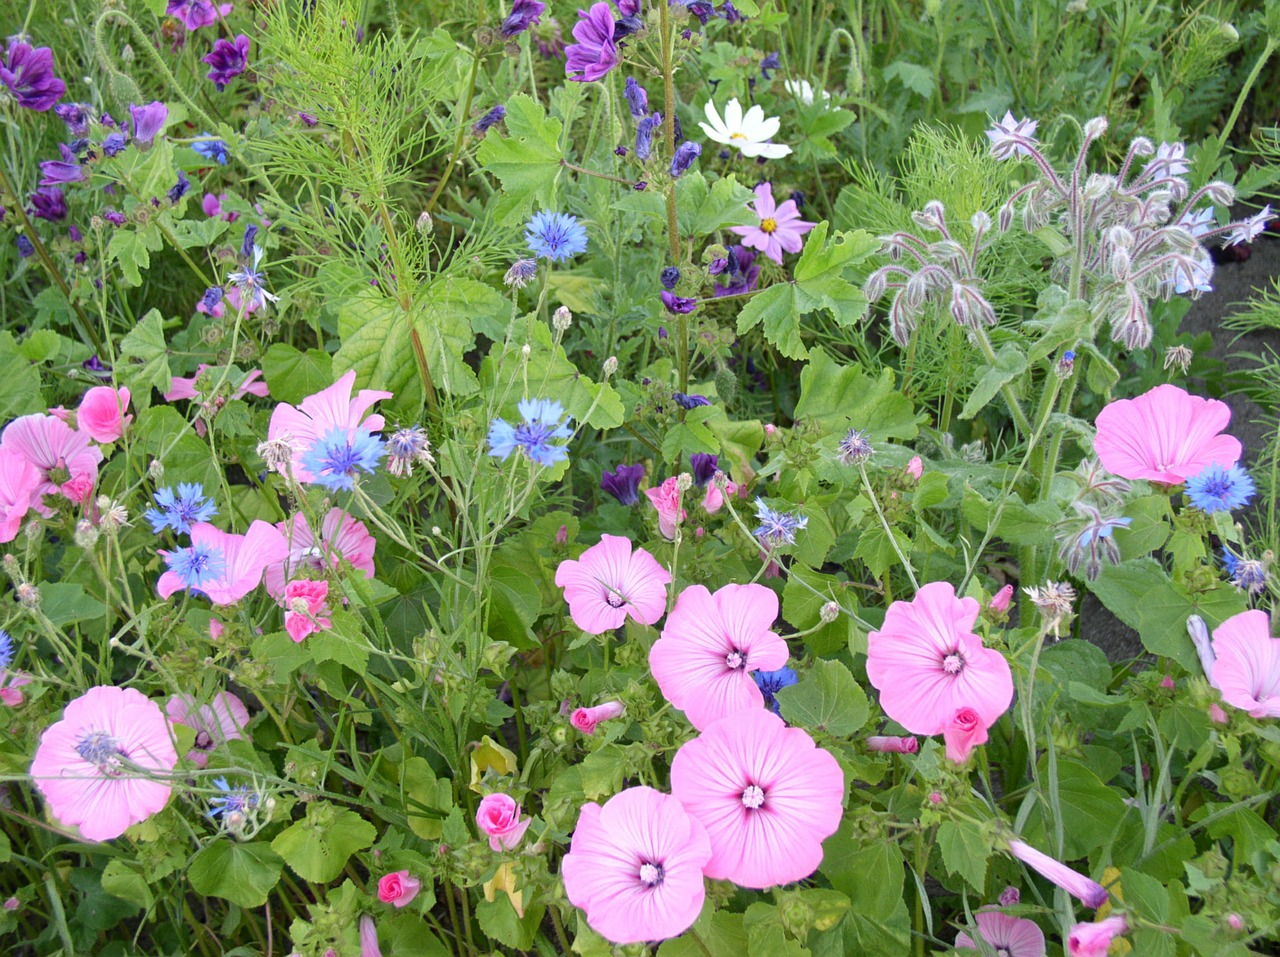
(561, 319)
(155, 470)
(86, 533)
(1095, 127)
(610, 366)
(829, 612)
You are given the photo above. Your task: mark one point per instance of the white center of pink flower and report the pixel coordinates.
(753, 797)
(651, 874)
(102, 751)
(735, 660)
(314, 557)
(953, 664)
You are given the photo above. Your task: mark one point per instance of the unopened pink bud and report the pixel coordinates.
(1000, 603)
(915, 468)
(770, 428)
(1234, 921)
(1217, 715)
(11, 904)
(888, 744)
(586, 719)
(1009, 897)
(935, 797)
(562, 535)
(1167, 683)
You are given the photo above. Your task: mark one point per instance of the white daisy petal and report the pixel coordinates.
(733, 116)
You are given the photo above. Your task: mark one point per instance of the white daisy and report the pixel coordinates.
(749, 133)
(803, 91)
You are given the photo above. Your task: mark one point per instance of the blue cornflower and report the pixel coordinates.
(855, 448)
(1216, 489)
(623, 483)
(558, 236)
(215, 150)
(197, 564)
(233, 800)
(179, 511)
(771, 682)
(1247, 574)
(6, 649)
(212, 296)
(334, 459)
(544, 420)
(778, 528)
(25, 247)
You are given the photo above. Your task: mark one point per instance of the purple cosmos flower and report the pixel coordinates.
(595, 53)
(678, 305)
(489, 120)
(644, 135)
(66, 170)
(147, 122)
(686, 401)
(686, 153)
(195, 14)
(227, 60)
(623, 483)
(637, 98)
(114, 144)
(76, 116)
(524, 14)
(28, 73)
(703, 466)
(25, 248)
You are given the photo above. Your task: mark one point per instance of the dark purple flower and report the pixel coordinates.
(212, 296)
(227, 60)
(623, 483)
(619, 151)
(637, 98)
(595, 53)
(686, 153)
(28, 73)
(308, 119)
(704, 466)
(730, 12)
(678, 305)
(25, 248)
(49, 203)
(490, 119)
(195, 14)
(114, 217)
(74, 232)
(628, 8)
(640, 186)
(524, 14)
(689, 401)
(114, 143)
(626, 26)
(94, 366)
(798, 198)
(771, 62)
(702, 10)
(644, 135)
(670, 276)
(249, 241)
(179, 189)
(107, 121)
(76, 116)
(66, 170)
(741, 273)
(147, 122)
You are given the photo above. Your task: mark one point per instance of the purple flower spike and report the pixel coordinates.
(148, 121)
(678, 305)
(624, 483)
(524, 14)
(227, 60)
(49, 203)
(595, 53)
(28, 73)
(66, 170)
(637, 98)
(489, 120)
(686, 153)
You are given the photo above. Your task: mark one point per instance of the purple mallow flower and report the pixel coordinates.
(740, 272)
(524, 14)
(670, 276)
(228, 59)
(76, 116)
(65, 170)
(28, 73)
(179, 189)
(195, 14)
(702, 10)
(703, 465)
(114, 144)
(148, 121)
(687, 401)
(771, 62)
(595, 53)
(623, 483)
(49, 203)
(686, 153)
(25, 248)
(678, 305)
(645, 129)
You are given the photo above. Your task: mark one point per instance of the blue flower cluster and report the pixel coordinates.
(543, 422)
(181, 509)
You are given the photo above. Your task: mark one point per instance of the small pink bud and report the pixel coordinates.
(398, 888)
(562, 536)
(889, 744)
(1217, 715)
(1234, 921)
(770, 428)
(586, 719)
(1000, 603)
(1009, 897)
(11, 904)
(1167, 683)
(935, 797)
(699, 532)
(915, 468)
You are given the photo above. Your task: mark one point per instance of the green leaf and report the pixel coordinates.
(122, 881)
(871, 876)
(450, 311)
(132, 249)
(201, 233)
(701, 211)
(241, 873)
(427, 799)
(375, 343)
(827, 699)
(1010, 363)
(66, 603)
(1091, 811)
(318, 847)
(916, 78)
(344, 643)
(965, 848)
(292, 375)
(282, 653)
(1144, 894)
(499, 920)
(840, 397)
(144, 360)
(526, 161)
(19, 381)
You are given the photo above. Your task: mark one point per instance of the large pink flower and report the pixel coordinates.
(1008, 936)
(767, 795)
(183, 388)
(102, 767)
(1247, 670)
(217, 723)
(608, 582)
(66, 460)
(635, 866)
(223, 566)
(1165, 435)
(928, 664)
(710, 646)
(101, 413)
(19, 481)
(1094, 940)
(781, 227)
(341, 537)
(326, 411)
(666, 501)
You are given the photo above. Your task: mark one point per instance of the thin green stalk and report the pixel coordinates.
(454, 158)
(884, 523)
(1230, 125)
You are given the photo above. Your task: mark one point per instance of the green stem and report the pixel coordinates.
(1269, 49)
(454, 158)
(884, 523)
(590, 172)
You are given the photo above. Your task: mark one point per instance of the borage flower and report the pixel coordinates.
(342, 538)
(543, 421)
(609, 582)
(595, 53)
(102, 767)
(635, 866)
(319, 415)
(781, 227)
(709, 647)
(1010, 137)
(216, 723)
(766, 794)
(748, 133)
(1247, 665)
(1007, 936)
(220, 565)
(1165, 435)
(28, 73)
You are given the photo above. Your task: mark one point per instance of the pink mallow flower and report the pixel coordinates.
(220, 565)
(499, 816)
(304, 602)
(1165, 435)
(342, 538)
(398, 888)
(927, 663)
(10, 682)
(666, 500)
(714, 499)
(1090, 892)
(215, 724)
(331, 409)
(709, 647)
(66, 460)
(609, 582)
(586, 719)
(185, 388)
(105, 765)
(19, 484)
(101, 413)
(1247, 669)
(964, 732)
(1094, 940)
(780, 228)
(635, 866)
(1008, 936)
(766, 794)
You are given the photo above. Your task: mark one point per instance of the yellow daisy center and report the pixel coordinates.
(737, 136)
(768, 225)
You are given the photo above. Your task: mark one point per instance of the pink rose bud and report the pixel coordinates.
(586, 719)
(770, 428)
(1009, 897)
(1217, 715)
(1234, 921)
(1167, 683)
(915, 468)
(398, 888)
(499, 817)
(889, 744)
(963, 733)
(101, 413)
(1000, 603)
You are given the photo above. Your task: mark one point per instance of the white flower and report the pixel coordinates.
(1170, 159)
(1247, 231)
(749, 133)
(803, 91)
(1010, 137)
